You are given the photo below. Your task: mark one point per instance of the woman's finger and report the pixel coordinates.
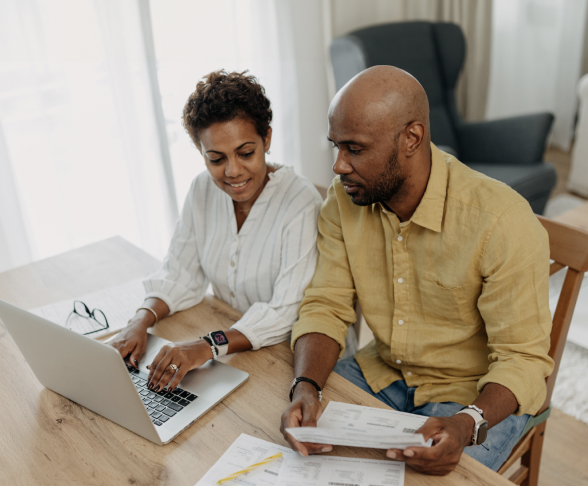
(182, 370)
(138, 352)
(157, 369)
(158, 357)
(167, 375)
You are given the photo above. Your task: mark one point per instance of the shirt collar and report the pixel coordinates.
(429, 212)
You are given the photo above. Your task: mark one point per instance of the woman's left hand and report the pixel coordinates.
(186, 356)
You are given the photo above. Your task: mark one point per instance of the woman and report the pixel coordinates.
(247, 227)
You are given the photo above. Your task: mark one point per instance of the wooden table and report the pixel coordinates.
(49, 440)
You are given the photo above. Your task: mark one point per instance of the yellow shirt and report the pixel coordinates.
(457, 297)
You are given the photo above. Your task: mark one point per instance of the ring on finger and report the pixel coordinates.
(173, 367)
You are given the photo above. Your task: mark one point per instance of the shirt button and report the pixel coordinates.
(398, 361)
(400, 280)
(400, 238)
(233, 294)
(401, 322)
(232, 264)
(408, 373)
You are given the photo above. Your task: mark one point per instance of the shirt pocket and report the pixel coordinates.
(444, 304)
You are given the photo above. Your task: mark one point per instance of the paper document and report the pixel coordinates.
(346, 416)
(118, 304)
(344, 471)
(293, 470)
(247, 450)
(389, 439)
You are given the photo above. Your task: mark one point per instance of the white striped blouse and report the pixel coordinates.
(262, 270)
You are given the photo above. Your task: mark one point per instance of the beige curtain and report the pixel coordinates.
(474, 17)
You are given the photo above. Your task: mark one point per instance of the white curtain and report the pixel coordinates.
(80, 159)
(473, 16)
(537, 48)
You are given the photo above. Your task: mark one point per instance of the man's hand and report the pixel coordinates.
(304, 411)
(450, 435)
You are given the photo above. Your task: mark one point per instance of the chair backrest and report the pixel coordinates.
(568, 248)
(433, 53)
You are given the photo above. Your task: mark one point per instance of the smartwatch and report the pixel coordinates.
(480, 425)
(220, 342)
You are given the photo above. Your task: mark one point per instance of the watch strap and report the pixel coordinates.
(212, 346)
(478, 422)
(307, 380)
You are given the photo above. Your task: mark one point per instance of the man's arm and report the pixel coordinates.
(515, 262)
(315, 356)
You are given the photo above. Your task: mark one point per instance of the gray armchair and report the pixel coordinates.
(510, 150)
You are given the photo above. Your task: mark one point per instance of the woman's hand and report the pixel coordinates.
(186, 356)
(132, 341)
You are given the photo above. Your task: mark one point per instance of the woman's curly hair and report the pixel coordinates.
(220, 97)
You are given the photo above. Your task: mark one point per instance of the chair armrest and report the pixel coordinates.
(516, 140)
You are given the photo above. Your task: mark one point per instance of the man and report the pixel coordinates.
(451, 269)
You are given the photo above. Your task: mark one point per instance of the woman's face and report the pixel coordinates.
(234, 154)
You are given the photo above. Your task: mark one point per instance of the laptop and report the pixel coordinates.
(94, 375)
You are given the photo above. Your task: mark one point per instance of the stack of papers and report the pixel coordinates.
(340, 424)
(357, 426)
(375, 440)
(293, 470)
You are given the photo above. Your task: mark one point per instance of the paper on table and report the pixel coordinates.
(347, 416)
(118, 304)
(375, 440)
(244, 452)
(331, 470)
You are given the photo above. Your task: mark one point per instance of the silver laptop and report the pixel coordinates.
(94, 375)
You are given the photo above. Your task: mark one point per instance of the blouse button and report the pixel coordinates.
(400, 238)
(409, 373)
(401, 322)
(398, 361)
(400, 280)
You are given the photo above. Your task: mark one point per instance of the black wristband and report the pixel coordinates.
(307, 380)
(207, 339)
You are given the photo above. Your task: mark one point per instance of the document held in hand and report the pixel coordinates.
(375, 440)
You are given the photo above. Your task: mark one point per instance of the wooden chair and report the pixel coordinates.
(568, 248)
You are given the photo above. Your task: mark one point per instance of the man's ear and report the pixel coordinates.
(415, 134)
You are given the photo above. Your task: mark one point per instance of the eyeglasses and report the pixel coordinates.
(84, 321)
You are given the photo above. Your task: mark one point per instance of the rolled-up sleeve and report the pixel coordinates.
(265, 324)
(180, 283)
(514, 304)
(328, 304)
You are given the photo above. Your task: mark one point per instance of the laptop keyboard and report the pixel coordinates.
(161, 406)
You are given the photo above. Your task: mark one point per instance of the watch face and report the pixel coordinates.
(482, 433)
(219, 338)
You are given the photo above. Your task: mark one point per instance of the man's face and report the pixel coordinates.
(367, 162)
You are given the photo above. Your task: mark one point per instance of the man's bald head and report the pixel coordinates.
(379, 121)
(383, 94)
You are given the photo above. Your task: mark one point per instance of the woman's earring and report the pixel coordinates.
(268, 152)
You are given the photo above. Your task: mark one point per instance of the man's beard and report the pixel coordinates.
(386, 186)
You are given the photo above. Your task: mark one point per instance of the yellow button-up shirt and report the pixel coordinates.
(457, 297)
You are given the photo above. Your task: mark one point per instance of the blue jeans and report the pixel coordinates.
(492, 453)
